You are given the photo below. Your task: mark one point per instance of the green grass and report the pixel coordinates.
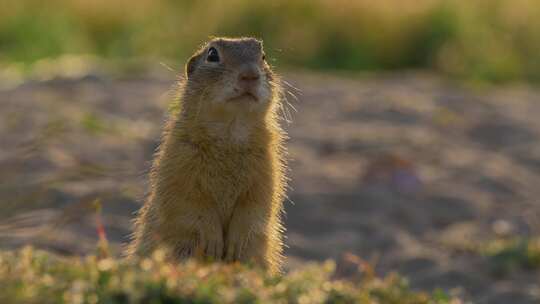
(33, 276)
(506, 255)
(482, 40)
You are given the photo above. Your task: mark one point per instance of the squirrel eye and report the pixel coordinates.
(264, 57)
(213, 55)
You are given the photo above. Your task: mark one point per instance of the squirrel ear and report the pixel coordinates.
(191, 64)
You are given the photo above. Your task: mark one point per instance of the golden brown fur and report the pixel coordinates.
(218, 180)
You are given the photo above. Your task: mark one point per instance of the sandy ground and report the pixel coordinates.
(405, 171)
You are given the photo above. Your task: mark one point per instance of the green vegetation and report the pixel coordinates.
(485, 39)
(506, 255)
(31, 276)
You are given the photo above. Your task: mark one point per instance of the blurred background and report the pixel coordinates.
(415, 138)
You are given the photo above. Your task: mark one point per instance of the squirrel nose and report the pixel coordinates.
(249, 74)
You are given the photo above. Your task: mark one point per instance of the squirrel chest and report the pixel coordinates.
(224, 172)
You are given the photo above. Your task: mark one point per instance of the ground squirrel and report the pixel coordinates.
(218, 179)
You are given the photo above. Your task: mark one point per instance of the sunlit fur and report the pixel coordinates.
(218, 179)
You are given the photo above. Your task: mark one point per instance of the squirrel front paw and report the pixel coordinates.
(210, 245)
(234, 249)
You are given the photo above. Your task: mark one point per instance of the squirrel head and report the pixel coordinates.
(231, 73)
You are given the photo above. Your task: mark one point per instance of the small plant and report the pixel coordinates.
(506, 255)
